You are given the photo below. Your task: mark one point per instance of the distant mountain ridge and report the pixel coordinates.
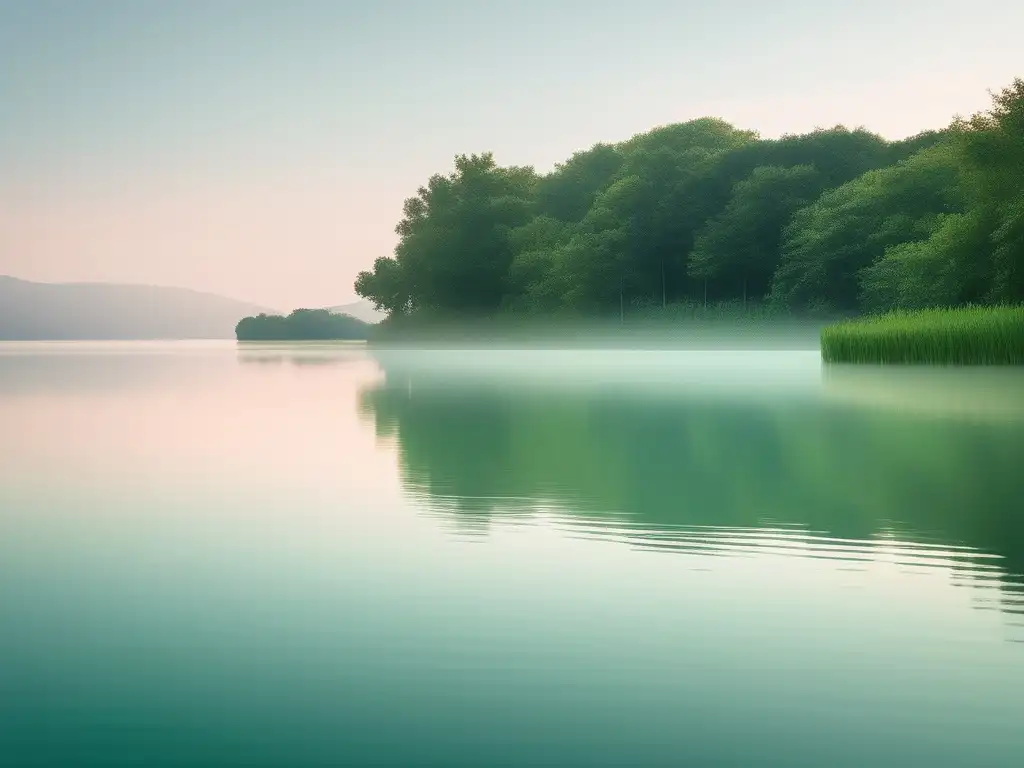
(111, 311)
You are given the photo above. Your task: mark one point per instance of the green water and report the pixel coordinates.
(315, 556)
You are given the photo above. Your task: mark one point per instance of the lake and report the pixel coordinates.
(323, 555)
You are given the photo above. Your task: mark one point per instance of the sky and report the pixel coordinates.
(262, 149)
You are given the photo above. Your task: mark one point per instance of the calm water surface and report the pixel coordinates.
(315, 556)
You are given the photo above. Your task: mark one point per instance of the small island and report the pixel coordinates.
(302, 325)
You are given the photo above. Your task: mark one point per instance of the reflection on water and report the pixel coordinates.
(675, 374)
(291, 555)
(312, 353)
(849, 465)
(977, 393)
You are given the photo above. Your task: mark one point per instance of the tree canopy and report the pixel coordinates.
(834, 219)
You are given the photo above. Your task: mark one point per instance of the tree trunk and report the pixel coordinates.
(622, 313)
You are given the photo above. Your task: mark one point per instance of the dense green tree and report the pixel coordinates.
(386, 285)
(654, 207)
(835, 218)
(837, 153)
(455, 248)
(707, 133)
(301, 325)
(568, 191)
(993, 143)
(741, 245)
(974, 256)
(829, 242)
(533, 283)
(901, 150)
(941, 270)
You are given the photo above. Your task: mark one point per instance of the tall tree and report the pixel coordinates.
(829, 242)
(993, 143)
(455, 245)
(569, 190)
(738, 250)
(835, 217)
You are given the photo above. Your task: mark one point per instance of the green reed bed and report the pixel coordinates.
(962, 336)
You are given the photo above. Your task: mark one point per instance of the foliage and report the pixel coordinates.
(962, 336)
(455, 246)
(301, 325)
(835, 220)
(743, 241)
(993, 144)
(940, 271)
(829, 242)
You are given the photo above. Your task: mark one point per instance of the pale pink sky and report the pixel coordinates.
(283, 241)
(263, 150)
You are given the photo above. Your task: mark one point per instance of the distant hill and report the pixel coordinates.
(54, 311)
(361, 310)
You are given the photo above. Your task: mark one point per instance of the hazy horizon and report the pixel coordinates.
(262, 150)
(116, 283)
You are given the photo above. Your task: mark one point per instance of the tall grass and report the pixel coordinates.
(961, 336)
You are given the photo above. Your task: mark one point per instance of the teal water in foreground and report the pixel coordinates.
(331, 556)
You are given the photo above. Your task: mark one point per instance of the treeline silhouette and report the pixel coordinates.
(703, 213)
(301, 325)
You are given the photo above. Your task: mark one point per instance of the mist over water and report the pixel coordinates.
(631, 334)
(327, 554)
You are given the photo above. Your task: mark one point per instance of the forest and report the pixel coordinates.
(701, 213)
(301, 325)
